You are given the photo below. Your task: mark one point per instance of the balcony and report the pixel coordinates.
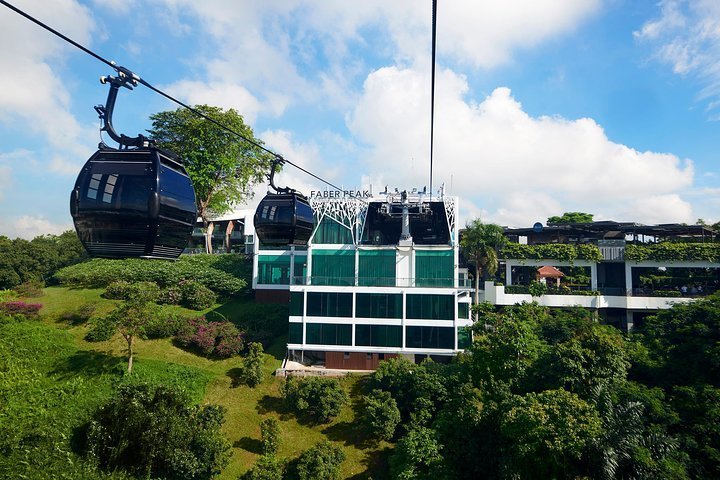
(374, 282)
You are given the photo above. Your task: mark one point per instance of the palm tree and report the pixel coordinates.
(480, 244)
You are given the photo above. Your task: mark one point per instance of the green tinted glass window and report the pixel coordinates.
(328, 334)
(297, 303)
(434, 268)
(331, 232)
(463, 310)
(378, 305)
(329, 304)
(300, 269)
(295, 333)
(376, 268)
(430, 337)
(378, 335)
(333, 267)
(274, 269)
(464, 337)
(431, 307)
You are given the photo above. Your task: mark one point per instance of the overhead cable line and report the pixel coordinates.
(432, 91)
(129, 73)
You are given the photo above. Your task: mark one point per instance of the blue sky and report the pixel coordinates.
(543, 106)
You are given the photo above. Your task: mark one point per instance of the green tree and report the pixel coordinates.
(252, 369)
(222, 166)
(480, 243)
(270, 436)
(381, 414)
(267, 467)
(133, 314)
(570, 217)
(321, 462)
(155, 432)
(417, 455)
(321, 399)
(547, 433)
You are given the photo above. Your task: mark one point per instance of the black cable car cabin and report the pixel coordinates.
(133, 203)
(283, 219)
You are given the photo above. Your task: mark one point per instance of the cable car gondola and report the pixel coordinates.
(285, 217)
(135, 201)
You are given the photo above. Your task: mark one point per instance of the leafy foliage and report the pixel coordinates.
(20, 308)
(381, 414)
(252, 369)
(223, 167)
(223, 274)
(554, 251)
(674, 251)
(318, 398)
(154, 431)
(101, 329)
(570, 217)
(537, 289)
(417, 455)
(270, 436)
(321, 462)
(219, 339)
(480, 243)
(196, 296)
(267, 467)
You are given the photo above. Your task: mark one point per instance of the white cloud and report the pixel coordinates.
(518, 168)
(5, 180)
(686, 36)
(34, 97)
(224, 95)
(29, 227)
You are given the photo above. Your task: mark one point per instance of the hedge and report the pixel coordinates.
(223, 274)
(555, 251)
(672, 251)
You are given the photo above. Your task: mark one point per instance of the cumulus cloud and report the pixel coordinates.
(515, 167)
(686, 36)
(34, 97)
(29, 227)
(5, 180)
(311, 51)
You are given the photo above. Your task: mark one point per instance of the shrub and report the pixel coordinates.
(20, 308)
(319, 398)
(117, 290)
(101, 329)
(270, 436)
(252, 369)
(321, 462)
(164, 324)
(381, 414)
(267, 467)
(30, 289)
(196, 296)
(8, 295)
(221, 339)
(223, 274)
(156, 432)
(171, 296)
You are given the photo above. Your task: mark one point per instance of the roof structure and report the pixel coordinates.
(548, 271)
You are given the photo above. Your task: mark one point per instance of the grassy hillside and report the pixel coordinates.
(51, 380)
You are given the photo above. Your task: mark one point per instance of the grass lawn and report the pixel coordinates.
(210, 381)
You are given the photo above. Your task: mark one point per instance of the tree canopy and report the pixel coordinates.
(480, 243)
(222, 166)
(570, 217)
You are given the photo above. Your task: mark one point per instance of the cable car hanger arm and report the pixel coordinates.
(127, 79)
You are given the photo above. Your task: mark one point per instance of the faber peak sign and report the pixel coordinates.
(340, 194)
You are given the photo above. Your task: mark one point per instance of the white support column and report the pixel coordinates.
(593, 277)
(508, 273)
(628, 278)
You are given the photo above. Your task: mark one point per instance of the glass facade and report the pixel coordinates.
(274, 269)
(300, 269)
(430, 307)
(331, 232)
(464, 310)
(434, 268)
(329, 304)
(378, 336)
(297, 304)
(376, 268)
(333, 267)
(378, 305)
(464, 337)
(295, 333)
(328, 334)
(430, 337)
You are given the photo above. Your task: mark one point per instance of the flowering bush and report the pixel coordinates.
(219, 339)
(20, 308)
